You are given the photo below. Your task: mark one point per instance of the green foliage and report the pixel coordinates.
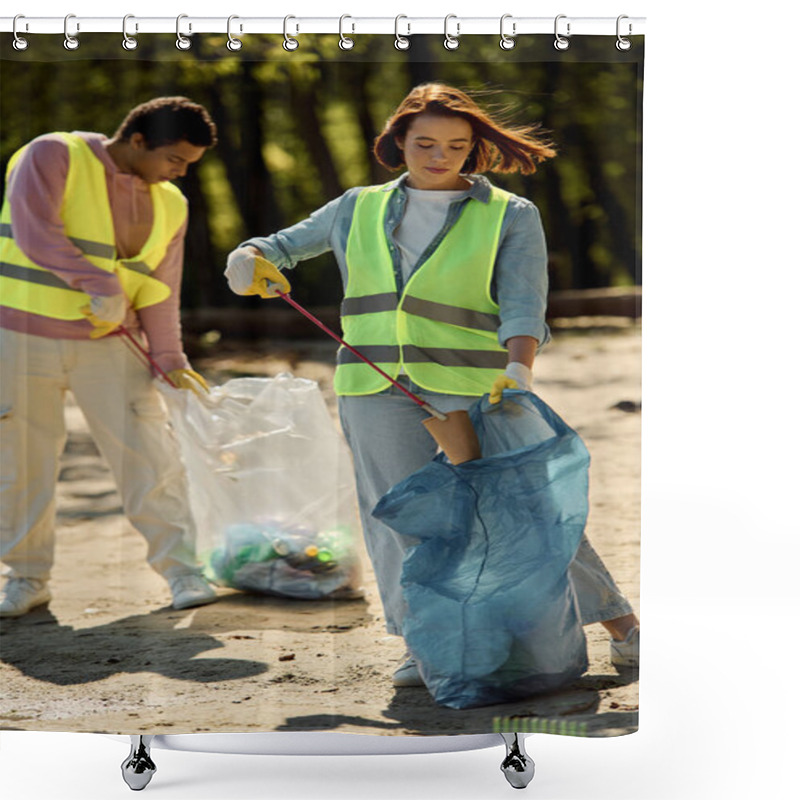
(297, 128)
(224, 220)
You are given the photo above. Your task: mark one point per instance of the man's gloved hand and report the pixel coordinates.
(105, 313)
(516, 376)
(189, 379)
(248, 273)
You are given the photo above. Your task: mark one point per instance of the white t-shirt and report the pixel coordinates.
(425, 214)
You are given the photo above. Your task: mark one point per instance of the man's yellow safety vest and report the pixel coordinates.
(442, 328)
(89, 225)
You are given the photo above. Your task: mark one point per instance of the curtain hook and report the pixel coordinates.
(345, 42)
(288, 42)
(451, 42)
(623, 43)
(401, 42)
(129, 42)
(507, 42)
(182, 42)
(19, 42)
(561, 42)
(70, 42)
(233, 43)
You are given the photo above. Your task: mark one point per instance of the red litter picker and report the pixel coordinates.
(453, 432)
(142, 352)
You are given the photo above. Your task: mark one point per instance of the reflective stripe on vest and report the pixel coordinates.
(442, 330)
(89, 225)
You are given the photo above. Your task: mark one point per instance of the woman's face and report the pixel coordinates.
(435, 149)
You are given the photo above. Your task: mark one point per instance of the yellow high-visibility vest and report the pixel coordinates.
(442, 329)
(89, 225)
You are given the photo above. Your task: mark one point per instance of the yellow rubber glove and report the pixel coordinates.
(105, 313)
(501, 382)
(189, 379)
(248, 273)
(266, 278)
(516, 376)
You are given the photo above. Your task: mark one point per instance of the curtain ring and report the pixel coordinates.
(288, 42)
(561, 42)
(623, 43)
(345, 42)
(128, 42)
(401, 42)
(70, 42)
(507, 42)
(451, 42)
(182, 42)
(233, 44)
(19, 42)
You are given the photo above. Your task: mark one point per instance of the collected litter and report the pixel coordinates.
(271, 487)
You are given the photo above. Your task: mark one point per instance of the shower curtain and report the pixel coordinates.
(295, 128)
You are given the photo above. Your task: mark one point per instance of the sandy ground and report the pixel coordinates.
(110, 655)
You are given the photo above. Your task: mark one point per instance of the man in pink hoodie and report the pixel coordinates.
(91, 239)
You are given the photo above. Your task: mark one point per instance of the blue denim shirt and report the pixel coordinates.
(519, 284)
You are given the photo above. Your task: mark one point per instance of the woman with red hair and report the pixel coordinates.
(445, 288)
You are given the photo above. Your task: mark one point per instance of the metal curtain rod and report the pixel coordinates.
(298, 25)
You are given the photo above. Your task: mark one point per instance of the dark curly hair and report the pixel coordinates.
(166, 120)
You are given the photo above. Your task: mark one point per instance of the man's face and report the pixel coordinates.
(165, 163)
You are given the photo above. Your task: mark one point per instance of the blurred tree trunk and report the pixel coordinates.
(365, 122)
(247, 171)
(566, 254)
(562, 252)
(202, 277)
(422, 61)
(618, 224)
(306, 102)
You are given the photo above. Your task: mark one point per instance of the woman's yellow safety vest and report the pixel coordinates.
(89, 225)
(442, 328)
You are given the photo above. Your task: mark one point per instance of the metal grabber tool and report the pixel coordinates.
(453, 432)
(419, 401)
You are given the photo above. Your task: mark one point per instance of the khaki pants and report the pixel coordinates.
(128, 422)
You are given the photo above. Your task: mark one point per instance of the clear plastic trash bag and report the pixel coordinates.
(492, 616)
(271, 487)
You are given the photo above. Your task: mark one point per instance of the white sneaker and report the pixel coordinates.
(407, 674)
(190, 590)
(20, 595)
(625, 652)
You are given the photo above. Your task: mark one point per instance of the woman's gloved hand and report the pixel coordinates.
(248, 272)
(516, 376)
(189, 379)
(105, 313)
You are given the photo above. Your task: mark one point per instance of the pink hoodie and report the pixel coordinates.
(35, 190)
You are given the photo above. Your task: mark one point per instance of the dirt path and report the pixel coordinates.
(110, 655)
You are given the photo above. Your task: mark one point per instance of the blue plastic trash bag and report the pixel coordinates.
(492, 616)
